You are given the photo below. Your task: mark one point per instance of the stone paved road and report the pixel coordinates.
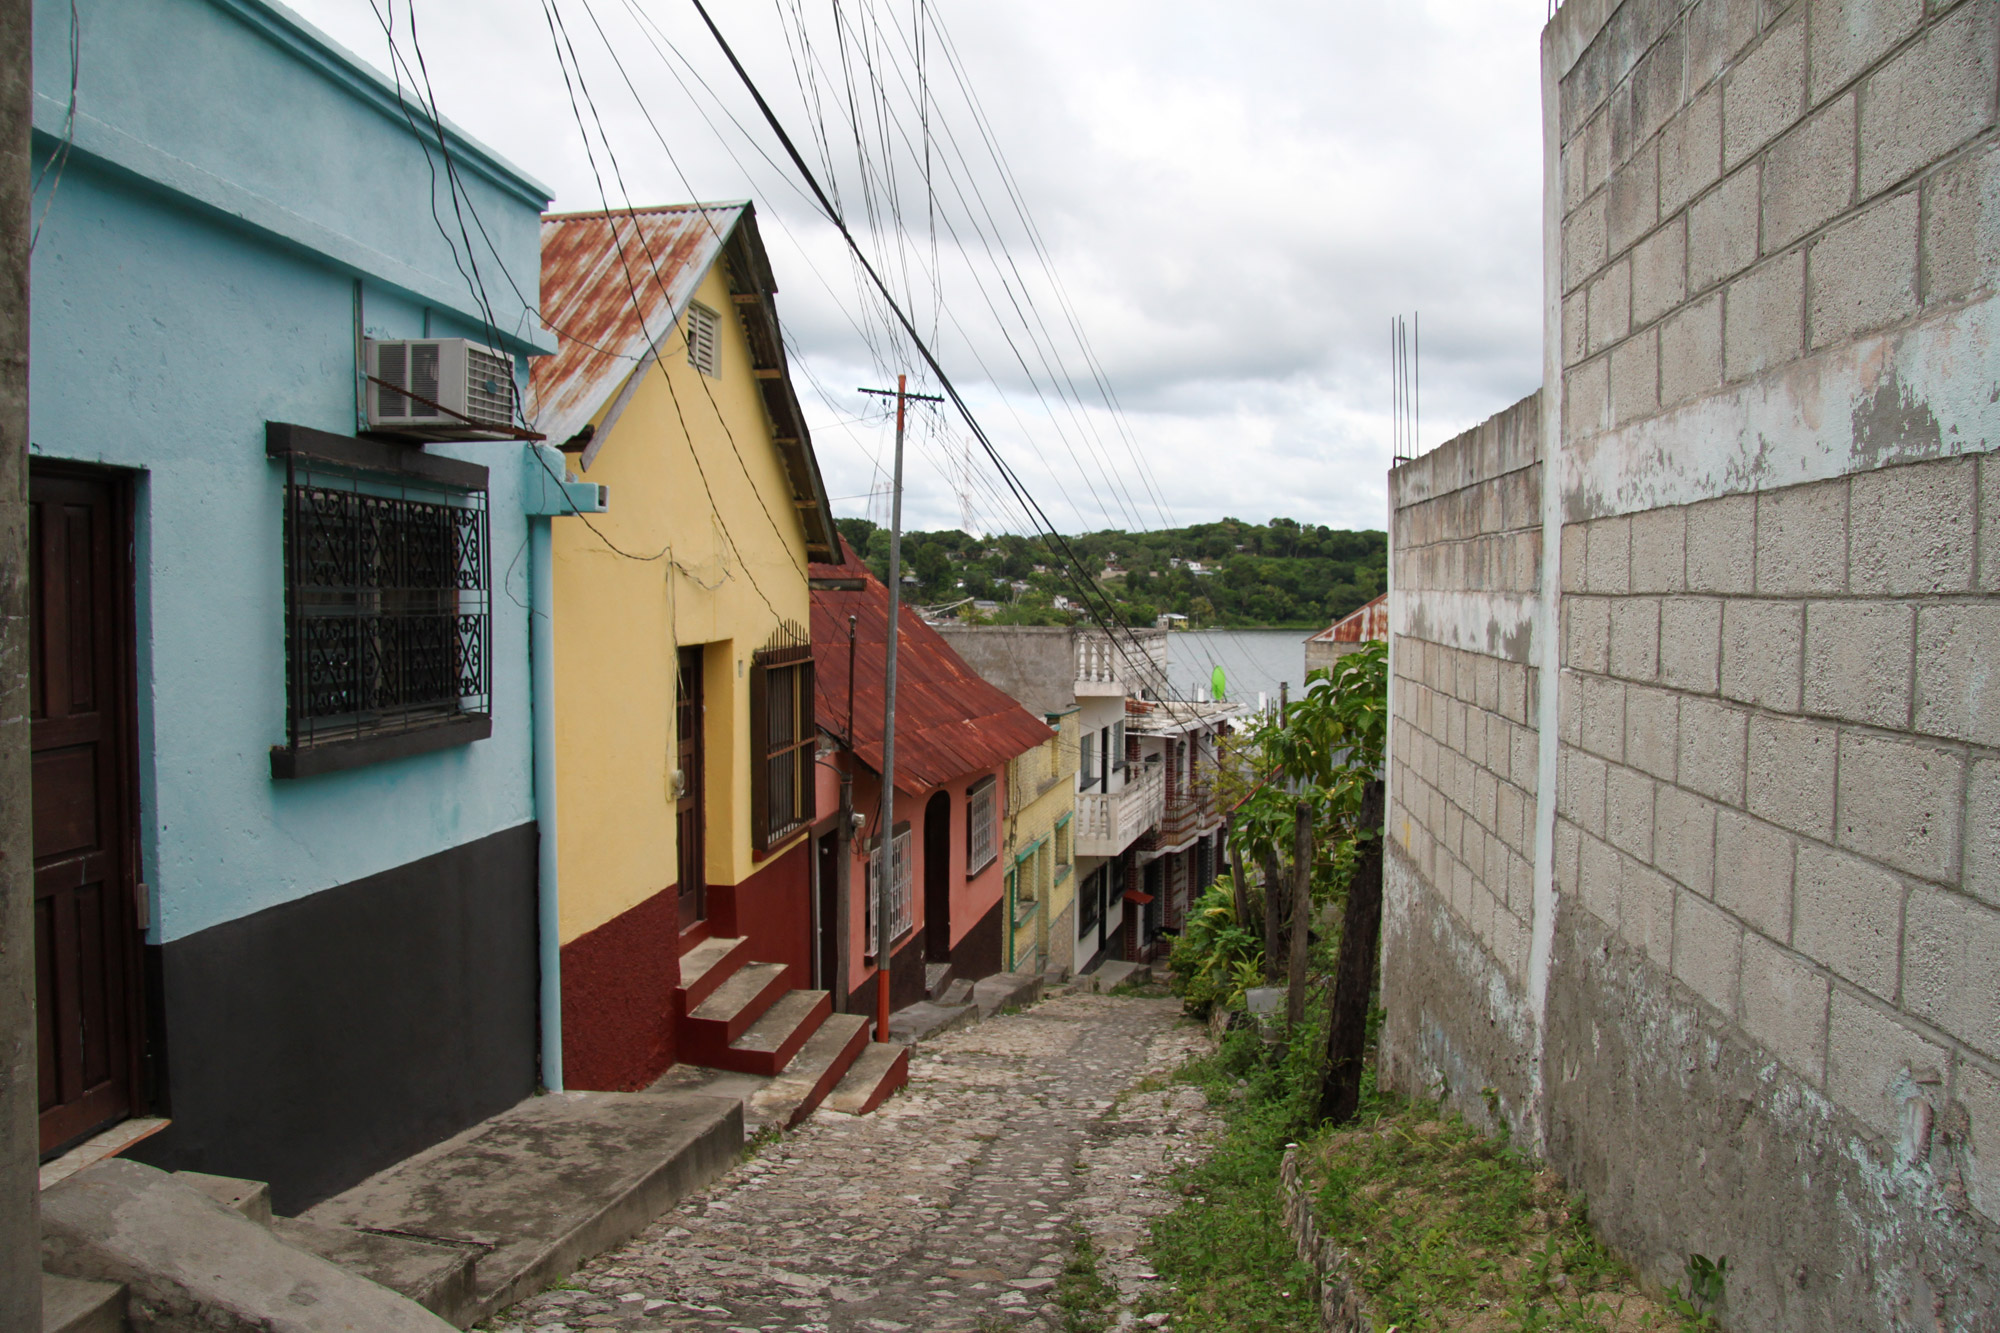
(953, 1207)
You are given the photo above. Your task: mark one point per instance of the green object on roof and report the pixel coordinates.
(1217, 683)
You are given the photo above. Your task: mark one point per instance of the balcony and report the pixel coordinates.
(1109, 822)
(1187, 817)
(1135, 664)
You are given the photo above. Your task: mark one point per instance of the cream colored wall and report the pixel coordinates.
(713, 554)
(1033, 812)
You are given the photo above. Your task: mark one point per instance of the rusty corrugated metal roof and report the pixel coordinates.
(1362, 625)
(614, 285)
(949, 720)
(614, 288)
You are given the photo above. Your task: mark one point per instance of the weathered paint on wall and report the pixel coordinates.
(973, 896)
(1757, 1018)
(195, 277)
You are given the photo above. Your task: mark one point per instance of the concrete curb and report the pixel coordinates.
(1341, 1307)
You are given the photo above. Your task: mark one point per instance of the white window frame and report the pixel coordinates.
(1086, 770)
(900, 906)
(704, 340)
(982, 826)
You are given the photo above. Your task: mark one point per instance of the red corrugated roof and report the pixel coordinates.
(1359, 626)
(949, 720)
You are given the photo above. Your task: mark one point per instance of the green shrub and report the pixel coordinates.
(1216, 957)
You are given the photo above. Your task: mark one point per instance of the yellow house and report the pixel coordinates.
(684, 692)
(1041, 852)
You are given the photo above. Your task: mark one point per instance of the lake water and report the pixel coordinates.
(1251, 660)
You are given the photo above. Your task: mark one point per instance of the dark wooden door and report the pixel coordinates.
(826, 951)
(937, 878)
(86, 926)
(688, 816)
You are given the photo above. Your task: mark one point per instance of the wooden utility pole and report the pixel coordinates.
(885, 837)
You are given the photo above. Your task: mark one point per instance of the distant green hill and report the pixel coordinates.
(1281, 573)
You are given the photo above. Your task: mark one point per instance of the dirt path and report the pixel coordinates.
(954, 1207)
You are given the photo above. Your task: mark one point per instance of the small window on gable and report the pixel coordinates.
(704, 335)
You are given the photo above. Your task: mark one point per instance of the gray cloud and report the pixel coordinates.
(1236, 199)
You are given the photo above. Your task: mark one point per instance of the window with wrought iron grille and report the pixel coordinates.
(782, 740)
(982, 825)
(704, 337)
(900, 921)
(388, 611)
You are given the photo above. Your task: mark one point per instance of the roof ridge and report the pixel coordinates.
(645, 210)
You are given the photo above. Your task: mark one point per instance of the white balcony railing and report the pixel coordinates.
(1109, 822)
(1136, 663)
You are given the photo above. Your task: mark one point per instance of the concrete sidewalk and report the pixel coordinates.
(517, 1202)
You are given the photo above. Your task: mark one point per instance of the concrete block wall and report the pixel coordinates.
(1761, 1010)
(1464, 749)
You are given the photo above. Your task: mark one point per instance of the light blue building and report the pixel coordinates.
(285, 817)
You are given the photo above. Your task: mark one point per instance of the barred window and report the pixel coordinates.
(387, 612)
(782, 743)
(899, 891)
(981, 826)
(704, 337)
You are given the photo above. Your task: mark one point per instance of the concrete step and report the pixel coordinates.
(937, 976)
(437, 1277)
(76, 1305)
(1002, 989)
(542, 1187)
(919, 1022)
(709, 964)
(770, 1043)
(714, 1024)
(820, 1064)
(1110, 976)
(957, 993)
(198, 1264)
(250, 1198)
(880, 1069)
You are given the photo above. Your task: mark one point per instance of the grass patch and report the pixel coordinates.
(1450, 1229)
(1082, 1294)
(1225, 1254)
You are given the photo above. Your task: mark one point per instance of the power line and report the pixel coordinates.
(937, 370)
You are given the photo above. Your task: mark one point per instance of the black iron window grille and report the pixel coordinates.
(388, 606)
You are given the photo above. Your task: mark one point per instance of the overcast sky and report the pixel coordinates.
(1229, 203)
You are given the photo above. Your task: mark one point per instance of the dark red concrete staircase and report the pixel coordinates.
(740, 1016)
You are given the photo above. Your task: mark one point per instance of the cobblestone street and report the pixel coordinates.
(953, 1207)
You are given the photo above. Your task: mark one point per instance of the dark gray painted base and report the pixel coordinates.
(312, 1044)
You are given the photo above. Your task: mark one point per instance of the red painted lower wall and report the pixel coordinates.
(774, 908)
(618, 998)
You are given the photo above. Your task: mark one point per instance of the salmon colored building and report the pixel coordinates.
(955, 733)
(684, 680)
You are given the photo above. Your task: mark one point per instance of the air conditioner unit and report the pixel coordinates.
(440, 388)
